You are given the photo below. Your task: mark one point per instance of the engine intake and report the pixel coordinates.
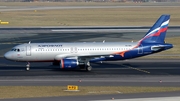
(69, 63)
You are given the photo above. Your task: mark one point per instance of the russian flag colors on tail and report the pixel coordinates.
(157, 32)
(153, 39)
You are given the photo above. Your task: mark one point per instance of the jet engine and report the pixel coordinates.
(69, 63)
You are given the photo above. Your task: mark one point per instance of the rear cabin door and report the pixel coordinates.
(140, 49)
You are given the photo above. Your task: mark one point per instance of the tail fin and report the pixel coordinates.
(157, 32)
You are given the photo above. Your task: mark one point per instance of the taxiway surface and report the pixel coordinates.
(119, 73)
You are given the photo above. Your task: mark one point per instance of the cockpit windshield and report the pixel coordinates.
(14, 49)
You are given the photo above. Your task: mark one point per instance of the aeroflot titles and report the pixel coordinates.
(50, 45)
(62, 45)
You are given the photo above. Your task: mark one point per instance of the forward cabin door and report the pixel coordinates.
(28, 50)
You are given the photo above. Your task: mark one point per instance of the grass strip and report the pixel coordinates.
(51, 91)
(11, 4)
(143, 16)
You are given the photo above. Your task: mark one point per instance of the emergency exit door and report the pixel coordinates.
(74, 50)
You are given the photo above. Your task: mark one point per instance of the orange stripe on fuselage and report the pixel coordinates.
(62, 63)
(123, 52)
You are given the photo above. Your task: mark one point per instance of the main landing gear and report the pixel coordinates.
(27, 66)
(85, 66)
(88, 67)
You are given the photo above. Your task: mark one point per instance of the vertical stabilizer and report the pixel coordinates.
(157, 33)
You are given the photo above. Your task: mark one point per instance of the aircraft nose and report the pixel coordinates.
(7, 55)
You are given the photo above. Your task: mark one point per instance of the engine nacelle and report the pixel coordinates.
(69, 63)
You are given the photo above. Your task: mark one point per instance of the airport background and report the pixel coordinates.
(136, 1)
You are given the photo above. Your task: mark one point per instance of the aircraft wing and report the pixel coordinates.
(82, 57)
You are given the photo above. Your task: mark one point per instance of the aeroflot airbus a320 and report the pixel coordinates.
(80, 55)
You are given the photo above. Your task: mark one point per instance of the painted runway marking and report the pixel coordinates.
(136, 69)
(96, 30)
(34, 39)
(3, 64)
(104, 92)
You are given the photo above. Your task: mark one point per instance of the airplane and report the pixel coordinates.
(81, 55)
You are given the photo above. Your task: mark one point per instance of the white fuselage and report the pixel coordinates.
(57, 51)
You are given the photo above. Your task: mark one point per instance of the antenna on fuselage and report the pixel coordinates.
(29, 42)
(103, 41)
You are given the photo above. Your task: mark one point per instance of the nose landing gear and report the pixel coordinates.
(28, 66)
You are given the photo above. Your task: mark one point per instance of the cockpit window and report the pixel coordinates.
(18, 50)
(13, 49)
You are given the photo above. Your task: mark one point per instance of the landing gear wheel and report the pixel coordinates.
(28, 66)
(88, 68)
